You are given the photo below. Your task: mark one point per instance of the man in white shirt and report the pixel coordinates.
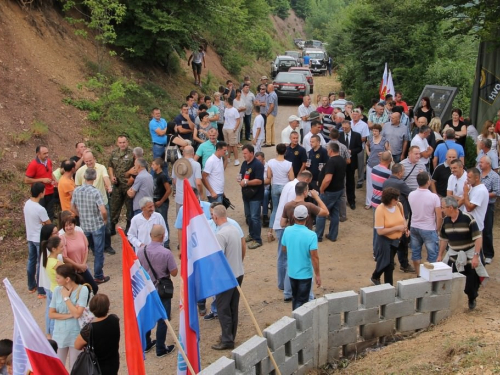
(258, 130)
(305, 110)
(293, 124)
(232, 122)
(139, 234)
(476, 197)
(248, 98)
(361, 127)
(420, 140)
(456, 181)
(213, 174)
(35, 216)
(315, 130)
(340, 102)
(426, 220)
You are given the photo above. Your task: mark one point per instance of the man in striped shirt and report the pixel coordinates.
(461, 234)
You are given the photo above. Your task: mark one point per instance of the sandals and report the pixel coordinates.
(367, 207)
(270, 237)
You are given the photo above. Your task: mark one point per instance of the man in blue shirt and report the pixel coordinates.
(442, 148)
(301, 245)
(158, 130)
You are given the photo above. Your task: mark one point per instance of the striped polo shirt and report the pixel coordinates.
(460, 234)
(379, 175)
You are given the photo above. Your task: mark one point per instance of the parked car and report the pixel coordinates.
(298, 41)
(313, 44)
(307, 73)
(291, 85)
(318, 62)
(282, 64)
(296, 55)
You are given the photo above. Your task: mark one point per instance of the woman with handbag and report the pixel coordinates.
(76, 250)
(68, 302)
(102, 336)
(391, 226)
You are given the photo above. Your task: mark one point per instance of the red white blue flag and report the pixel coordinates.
(205, 272)
(142, 307)
(31, 349)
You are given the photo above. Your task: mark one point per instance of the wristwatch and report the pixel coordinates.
(65, 299)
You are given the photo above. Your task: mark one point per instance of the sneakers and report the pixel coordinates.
(150, 346)
(210, 316)
(169, 349)
(236, 162)
(375, 281)
(407, 269)
(287, 300)
(487, 260)
(472, 304)
(248, 238)
(254, 245)
(105, 279)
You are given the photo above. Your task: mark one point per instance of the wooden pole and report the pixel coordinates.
(258, 329)
(179, 347)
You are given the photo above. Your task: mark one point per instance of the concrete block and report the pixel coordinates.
(359, 347)
(438, 316)
(458, 297)
(362, 316)
(334, 353)
(413, 322)
(441, 287)
(414, 288)
(334, 322)
(223, 366)
(250, 371)
(434, 303)
(301, 340)
(343, 336)
(342, 302)
(380, 329)
(305, 368)
(250, 353)
(377, 295)
(290, 366)
(280, 332)
(306, 354)
(320, 331)
(266, 366)
(398, 309)
(304, 315)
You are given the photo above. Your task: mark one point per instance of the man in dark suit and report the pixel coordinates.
(354, 144)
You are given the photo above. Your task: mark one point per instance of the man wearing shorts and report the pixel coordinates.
(232, 122)
(198, 58)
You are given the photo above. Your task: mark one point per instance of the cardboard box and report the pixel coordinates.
(440, 272)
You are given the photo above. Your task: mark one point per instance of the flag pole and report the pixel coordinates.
(271, 357)
(179, 347)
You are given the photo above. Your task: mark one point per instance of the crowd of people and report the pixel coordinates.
(413, 168)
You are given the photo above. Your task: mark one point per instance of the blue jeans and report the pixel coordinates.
(49, 323)
(159, 152)
(97, 238)
(275, 196)
(213, 306)
(300, 291)
(107, 236)
(218, 199)
(163, 211)
(265, 204)
(252, 214)
(161, 329)
(420, 236)
(332, 202)
(282, 259)
(33, 267)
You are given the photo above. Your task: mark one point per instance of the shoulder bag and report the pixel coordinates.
(87, 316)
(164, 286)
(86, 363)
(171, 151)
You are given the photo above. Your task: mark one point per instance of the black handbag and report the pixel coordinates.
(86, 363)
(226, 202)
(164, 286)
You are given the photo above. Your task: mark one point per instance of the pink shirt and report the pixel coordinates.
(423, 203)
(75, 248)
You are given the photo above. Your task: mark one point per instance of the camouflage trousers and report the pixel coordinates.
(118, 199)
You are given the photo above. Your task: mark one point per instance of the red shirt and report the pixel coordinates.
(328, 110)
(403, 104)
(497, 127)
(36, 169)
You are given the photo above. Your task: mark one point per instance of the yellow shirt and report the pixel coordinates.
(51, 272)
(99, 181)
(387, 219)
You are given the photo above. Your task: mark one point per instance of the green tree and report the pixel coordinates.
(302, 8)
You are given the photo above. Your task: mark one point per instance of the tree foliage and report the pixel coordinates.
(302, 8)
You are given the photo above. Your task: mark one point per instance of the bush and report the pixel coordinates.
(470, 153)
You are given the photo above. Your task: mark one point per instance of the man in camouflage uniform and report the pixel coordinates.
(120, 162)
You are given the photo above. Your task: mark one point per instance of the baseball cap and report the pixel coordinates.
(293, 118)
(300, 212)
(264, 77)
